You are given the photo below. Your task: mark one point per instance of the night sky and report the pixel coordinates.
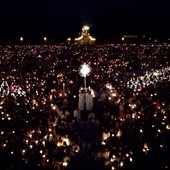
(63, 18)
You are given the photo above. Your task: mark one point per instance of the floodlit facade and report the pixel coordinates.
(85, 37)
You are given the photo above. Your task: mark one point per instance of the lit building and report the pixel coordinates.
(85, 37)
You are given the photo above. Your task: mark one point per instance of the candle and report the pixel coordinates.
(63, 86)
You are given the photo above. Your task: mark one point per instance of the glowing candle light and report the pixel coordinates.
(121, 164)
(119, 133)
(103, 143)
(112, 160)
(141, 130)
(23, 151)
(63, 86)
(65, 164)
(168, 127)
(113, 168)
(43, 143)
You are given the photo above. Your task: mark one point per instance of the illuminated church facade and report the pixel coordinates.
(85, 37)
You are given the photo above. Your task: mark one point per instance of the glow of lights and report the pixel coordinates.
(79, 38)
(54, 107)
(43, 143)
(119, 133)
(109, 86)
(113, 168)
(103, 143)
(23, 151)
(130, 159)
(141, 131)
(122, 38)
(92, 39)
(65, 164)
(146, 148)
(69, 39)
(21, 39)
(132, 106)
(85, 28)
(85, 70)
(114, 94)
(168, 127)
(59, 144)
(159, 130)
(161, 146)
(106, 135)
(45, 38)
(155, 73)
(67, 141)
(111, 160)
(121, 164)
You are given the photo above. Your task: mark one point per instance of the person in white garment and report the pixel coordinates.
(89, 100)
(77, 114)
(81, 103)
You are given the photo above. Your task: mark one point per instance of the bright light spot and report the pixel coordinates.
(168, 127)
(21, 39)
(65, 164)
(121, 163)
(85, 28)
(68, 39)
(85, 69)
(45, 38)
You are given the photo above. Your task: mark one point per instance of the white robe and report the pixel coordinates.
(81, 104)
(89, 101)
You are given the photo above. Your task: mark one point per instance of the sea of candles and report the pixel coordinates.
(34, 121)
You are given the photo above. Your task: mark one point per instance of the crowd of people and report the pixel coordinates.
(42, 126)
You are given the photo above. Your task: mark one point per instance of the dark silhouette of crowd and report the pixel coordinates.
(40, 123)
